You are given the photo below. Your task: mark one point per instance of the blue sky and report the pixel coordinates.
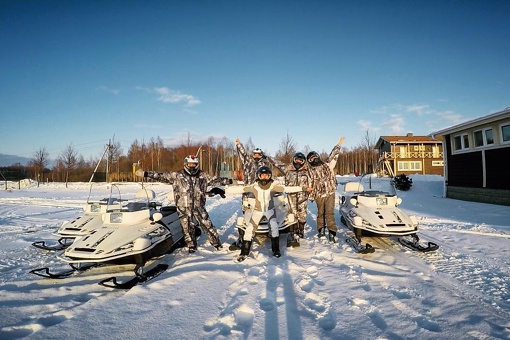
(81, 72)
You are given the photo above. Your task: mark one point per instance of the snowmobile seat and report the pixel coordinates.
(168, 210)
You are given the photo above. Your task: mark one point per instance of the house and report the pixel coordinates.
(476, 158)
(410, 155)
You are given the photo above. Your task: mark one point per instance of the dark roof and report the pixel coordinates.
(409, 139)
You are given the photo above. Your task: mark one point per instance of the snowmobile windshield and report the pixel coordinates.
(373, 186)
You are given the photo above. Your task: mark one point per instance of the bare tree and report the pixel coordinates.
(287, 149)
(69, 160)
(39, 161)
(113, 157)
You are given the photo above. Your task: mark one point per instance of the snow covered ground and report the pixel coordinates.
(316, 291)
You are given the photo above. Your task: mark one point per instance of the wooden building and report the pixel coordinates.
(476, 157)
(410, 155)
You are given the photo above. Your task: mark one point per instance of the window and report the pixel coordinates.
(505, 133)
(435, 151)
(489, 137)
(478, 138)
(483, 137)
(409, 166)
(437, 163)
(419, 148)
(461, 142)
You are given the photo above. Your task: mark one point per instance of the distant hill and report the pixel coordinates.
(6, 160)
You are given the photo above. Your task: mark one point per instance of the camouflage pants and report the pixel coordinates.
(189, 218)
(326, 212)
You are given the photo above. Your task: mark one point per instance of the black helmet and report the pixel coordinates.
(298, 160)
(313, 158)
(191, 164)
(264, 170)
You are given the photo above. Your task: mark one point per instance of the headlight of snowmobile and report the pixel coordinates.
(95, 208)
(116, 217)
(381, 200)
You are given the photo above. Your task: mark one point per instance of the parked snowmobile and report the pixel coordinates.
(369, 207)
(130, 233)
(80, 226)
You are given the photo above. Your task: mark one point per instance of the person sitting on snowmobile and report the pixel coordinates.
(250, 166)
(190, 189)
(298, 173)
(324, 186)
(263, 190)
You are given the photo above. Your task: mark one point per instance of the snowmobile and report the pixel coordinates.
(369, 207)
(131, 232)
(91, 219)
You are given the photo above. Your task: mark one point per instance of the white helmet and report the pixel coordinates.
(257, 151)
(191, 164)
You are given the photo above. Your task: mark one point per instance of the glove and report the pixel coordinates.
(217, 191)
(141, 173)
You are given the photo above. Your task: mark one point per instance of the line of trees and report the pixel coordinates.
(218, 157)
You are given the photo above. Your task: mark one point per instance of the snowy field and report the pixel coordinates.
(316, 291)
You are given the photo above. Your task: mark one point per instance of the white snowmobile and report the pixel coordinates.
(92, 218)
(130, 233)
(370, 207)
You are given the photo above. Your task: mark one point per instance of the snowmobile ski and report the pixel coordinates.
(139, 278)
(63, 243)
(45, 271)
(358, 247)
(413, 242)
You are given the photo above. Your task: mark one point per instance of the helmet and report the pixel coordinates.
(264, 170)
(191, 164)
(298, 160)
(313, 158)
(257, 151)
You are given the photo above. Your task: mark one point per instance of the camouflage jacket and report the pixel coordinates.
(189, 191)
(300, 177)
(250, 165)
(323, 176)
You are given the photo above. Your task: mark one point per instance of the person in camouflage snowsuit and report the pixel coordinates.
(251, 162)
(324, 187)
(190, 189)
(264, 189)
(298, 174)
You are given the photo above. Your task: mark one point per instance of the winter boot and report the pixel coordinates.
(321, 233)
(292, 240)
(332, 236)
(301, 230)
(239, 242)
(245, 251)
(275, 246)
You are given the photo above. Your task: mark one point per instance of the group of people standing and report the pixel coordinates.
(307, 178)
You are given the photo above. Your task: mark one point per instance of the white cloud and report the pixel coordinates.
(109, 90)
(167, 95)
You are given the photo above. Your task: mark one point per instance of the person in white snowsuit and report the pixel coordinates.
(263, 190)
(190, 189)
(324, 186)
(251, 163)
